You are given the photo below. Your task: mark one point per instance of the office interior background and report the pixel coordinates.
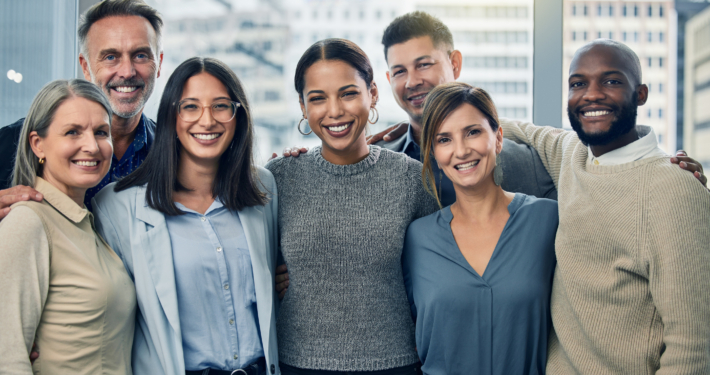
(518, 50)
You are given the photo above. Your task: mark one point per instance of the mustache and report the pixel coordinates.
(125, 82)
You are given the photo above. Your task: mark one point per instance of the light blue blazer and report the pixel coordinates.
(139, 235)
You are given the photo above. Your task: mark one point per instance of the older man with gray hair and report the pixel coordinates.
(121, 53)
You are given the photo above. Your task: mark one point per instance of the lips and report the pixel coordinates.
(467, 166)
(338, 128)
(418, 98)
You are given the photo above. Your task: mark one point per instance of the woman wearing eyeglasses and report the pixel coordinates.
(195, 226)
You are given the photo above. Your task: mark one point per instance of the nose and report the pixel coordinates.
(206, 119)
(461, 149)
(90, 145)
(126, 69)
(335, 109)
(413, 80)
(593, 92)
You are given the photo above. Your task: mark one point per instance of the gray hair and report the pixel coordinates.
(41, 115)
(111, 8)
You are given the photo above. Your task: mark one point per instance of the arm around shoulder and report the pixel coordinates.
(678, 256)
(24, 285)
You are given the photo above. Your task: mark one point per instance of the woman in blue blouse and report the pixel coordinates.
(478, 273)
(195, 226)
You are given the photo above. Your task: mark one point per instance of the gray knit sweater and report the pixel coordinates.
(342, 229)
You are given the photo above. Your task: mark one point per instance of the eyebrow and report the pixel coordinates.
(113, 51)
(418, 59)
(607, 73)
(215, 99)
(464, 129)
(323, 92)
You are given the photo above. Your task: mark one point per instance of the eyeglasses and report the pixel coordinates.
(222, 110)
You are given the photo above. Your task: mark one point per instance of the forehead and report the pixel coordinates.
(204, 86)
(331, 73)
(121, 32)
(463, 116)
(81, 111)
(599, 59)
(406, 52)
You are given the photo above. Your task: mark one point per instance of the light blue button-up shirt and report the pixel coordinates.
(215, 289)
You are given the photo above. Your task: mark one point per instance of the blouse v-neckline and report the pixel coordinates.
(458, 256)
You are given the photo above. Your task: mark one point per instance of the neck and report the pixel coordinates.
(481, 202)
(76, 194)
(626, 139)
(197, 176)
(416, 129)
(123, 131)
(352, 155)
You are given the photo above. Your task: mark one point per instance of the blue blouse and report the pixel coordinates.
(215, 289)
(497, 323)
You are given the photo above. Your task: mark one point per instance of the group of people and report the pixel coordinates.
(461, 243)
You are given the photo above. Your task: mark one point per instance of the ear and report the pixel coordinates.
(642, 91)
(85, 67)
(36, 144)
(499, 140)
(160, 63)
(303, 108)
(456, 62)
(374, 92)
(387, 73)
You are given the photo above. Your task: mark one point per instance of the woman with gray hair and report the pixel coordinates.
(62, 286)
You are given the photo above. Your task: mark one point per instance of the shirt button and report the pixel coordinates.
(203, 218)
(236, 356)
(231, 322)
(219, 249)
(226, 286)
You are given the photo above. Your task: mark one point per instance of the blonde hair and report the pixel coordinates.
(441, 102)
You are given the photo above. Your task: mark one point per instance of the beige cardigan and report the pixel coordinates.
(631, 292)
(62, 287)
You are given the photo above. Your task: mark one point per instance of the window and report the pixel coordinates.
(636, 11)
(624, 10)
(660, 62)
(315, 14)
(330, 14)
(650, 113)
(660, 11)
(585, 35)
(362, 14)
(660, 88)
(660, 37)
(660, 112)
(650, 11)
(346, 14)
(599, 34)
(650, 37)
(585, 10)
(623, 36)
(574, 35)
(636, 36)
(611, 35)
(611, 10)
(599, 10)
(574, 10)
(649, 87)
(650, 62)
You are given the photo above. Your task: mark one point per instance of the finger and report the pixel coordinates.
(703, 178)
(4, 212)
(397, 132)
(281, 269)
(280, 278)
(287, 152)
(304, 150)
(273, 156)
(282, 294)
(689, 166)
(10, 199)
(282, 286)
(295, 151)
(681, 153)
(374, 138)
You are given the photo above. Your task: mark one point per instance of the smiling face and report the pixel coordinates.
(204, 140)
(337, 102)
(465, 147)
(415, 68)
(123, 60)
(77, 147)
(603, 95)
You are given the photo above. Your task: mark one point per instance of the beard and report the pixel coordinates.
(624, 122)
(118, 106)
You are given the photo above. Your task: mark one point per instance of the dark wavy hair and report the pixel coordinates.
(236, 183)
(416, 24)
(333, 49)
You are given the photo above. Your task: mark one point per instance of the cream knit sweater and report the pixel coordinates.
(631, 292)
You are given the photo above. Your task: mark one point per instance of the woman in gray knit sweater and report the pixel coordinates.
(346, 308)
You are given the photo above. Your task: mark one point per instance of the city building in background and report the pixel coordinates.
(262, 41)
(649, 29)
(696, 127)
(38, 45)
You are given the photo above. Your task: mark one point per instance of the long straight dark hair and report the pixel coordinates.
(236, 183)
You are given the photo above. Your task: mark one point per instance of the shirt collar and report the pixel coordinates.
(141, 137)
(644, 147)
(216, 205)
(60, 201)
(410, 141)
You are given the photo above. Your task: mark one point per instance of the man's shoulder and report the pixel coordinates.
(667, 179)
(396, 144)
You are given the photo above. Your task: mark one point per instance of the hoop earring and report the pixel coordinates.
(299, 128)
(498, 171)
(376, 113)
(41, 160)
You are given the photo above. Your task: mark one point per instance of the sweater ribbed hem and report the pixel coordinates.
(346, 364)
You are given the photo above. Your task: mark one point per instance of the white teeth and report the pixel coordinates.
(126, 88)
(463, 167)
(338, 129)
(418, 97)
(206, 136)
(86, 163)
(596, 113)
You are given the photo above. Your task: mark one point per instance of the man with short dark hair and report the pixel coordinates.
(121, 53)
(420, 54)
(630, 293)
